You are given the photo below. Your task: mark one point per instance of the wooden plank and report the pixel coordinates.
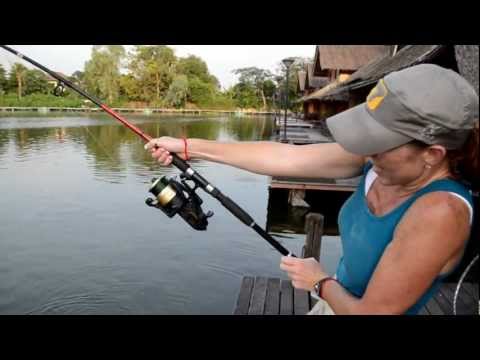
(472, 288)
(468, 288)
(443, 302)
(305, 186)
(300, 302)
(433, 307)
(466, 304)
(446, 294)
(257, 303)
(286, 298)
(475, 291)
(314, 230)
(272, 303)
(243, 300)
(424, 311)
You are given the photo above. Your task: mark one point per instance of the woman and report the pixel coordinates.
(406, 227)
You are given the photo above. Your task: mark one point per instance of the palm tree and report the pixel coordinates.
(19, 70)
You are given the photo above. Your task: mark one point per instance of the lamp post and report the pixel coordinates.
(287, 62)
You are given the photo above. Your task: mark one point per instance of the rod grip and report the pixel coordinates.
(181, 164)
(236, 210)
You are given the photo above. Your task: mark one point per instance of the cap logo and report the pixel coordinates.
(376, 96)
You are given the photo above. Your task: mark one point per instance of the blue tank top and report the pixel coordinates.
(365, 236)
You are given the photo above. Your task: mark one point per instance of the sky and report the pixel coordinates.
(221, 59)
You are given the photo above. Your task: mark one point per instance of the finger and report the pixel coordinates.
(290, 261)
(300, 285)
(159, 152)
(286, 267)
(151, 144)
(168, 161)
(296, 277)
(162, 158)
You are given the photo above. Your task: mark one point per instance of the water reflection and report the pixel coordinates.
(112, 149)
(76, 236)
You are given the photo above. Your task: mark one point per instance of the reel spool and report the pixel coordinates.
(173, 197)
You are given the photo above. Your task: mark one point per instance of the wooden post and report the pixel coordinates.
(314, 231)
(296, 197)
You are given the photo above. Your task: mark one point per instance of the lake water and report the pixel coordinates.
(77, 238)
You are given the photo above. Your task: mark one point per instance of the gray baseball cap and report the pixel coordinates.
(424, 102)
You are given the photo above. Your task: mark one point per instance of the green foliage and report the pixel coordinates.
(16, 79)
(153, 68)
(102, 71)
(40, 100)
(177, 92)
(150, 76)
(36, 82)
(255, 87)
(192, 66)
(299, 64)
(3, 80)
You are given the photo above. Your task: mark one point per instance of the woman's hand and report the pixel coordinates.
(305, 273)
(161, 148)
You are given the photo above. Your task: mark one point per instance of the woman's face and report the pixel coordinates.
(399, 166)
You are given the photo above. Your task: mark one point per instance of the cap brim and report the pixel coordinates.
(359, 133)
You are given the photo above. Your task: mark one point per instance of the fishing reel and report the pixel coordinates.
(173, 197)
(59, 89)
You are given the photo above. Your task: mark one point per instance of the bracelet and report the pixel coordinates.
(185, 151)
(319, 285)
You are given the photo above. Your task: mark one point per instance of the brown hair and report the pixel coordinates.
(464, 162)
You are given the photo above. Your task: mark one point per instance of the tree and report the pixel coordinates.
(102, 71)
(35, 82)
(177, 92)
(17, 78)
(129, 87)
(3, 80)
(153, 67)
(258, 79)
(78, 78)
(200, 92)
(193, 66)
(299, 64)
(245, 95)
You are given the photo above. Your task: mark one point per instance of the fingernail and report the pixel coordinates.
(146, 146)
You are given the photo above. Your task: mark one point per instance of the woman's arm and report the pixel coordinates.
(429, 239)
(327, 160)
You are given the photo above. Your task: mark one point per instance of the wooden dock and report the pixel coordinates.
(273, 296)
(442, 302)
(299, 132)
(314, 184)
(260, 295)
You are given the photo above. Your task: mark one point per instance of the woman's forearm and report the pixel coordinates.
(261, 157)
(276, 159)
(343, 302)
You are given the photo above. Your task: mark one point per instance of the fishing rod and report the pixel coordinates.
(171, 196)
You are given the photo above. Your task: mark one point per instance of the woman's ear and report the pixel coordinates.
(434, 155)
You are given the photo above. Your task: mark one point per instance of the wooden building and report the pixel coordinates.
(335, 64)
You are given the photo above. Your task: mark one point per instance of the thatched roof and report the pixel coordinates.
(314, 82)
(467, 61)
(408, 56)
(48, 77)
(346, 57)
(320, 94)
(301, 75)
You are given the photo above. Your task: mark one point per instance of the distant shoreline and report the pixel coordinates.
(145, 111)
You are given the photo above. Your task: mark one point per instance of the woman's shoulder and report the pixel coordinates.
(440, 213)
(447, 186)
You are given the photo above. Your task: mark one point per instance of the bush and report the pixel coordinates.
(40, 100)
